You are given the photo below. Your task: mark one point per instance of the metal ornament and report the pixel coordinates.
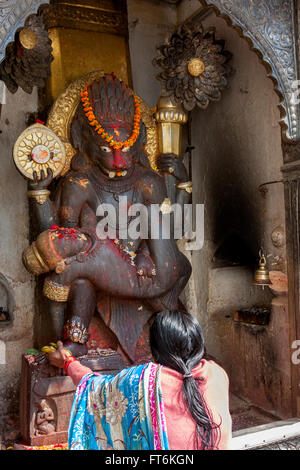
(165, 207)
(12, 17)
(28, 58)
(28, 38)
(40, 195)
(76, 331)
(169, 117)
(186, 186)
(196, 67)
(261, 276)
(37, 149)
(54, 291)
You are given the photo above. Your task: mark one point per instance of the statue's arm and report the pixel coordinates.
(65, 207)
(74, 193)
(160, 245)
(178, 186)
(42, 207)
(40, 419)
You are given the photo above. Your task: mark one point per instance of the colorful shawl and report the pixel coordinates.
(119, 412)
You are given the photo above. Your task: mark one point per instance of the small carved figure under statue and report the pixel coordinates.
(44, 420)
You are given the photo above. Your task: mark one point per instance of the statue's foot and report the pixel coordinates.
(77, 349)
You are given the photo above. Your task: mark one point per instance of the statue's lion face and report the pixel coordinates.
(109, 159)
(101, 153)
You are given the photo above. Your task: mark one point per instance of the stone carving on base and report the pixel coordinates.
(47, 397)
(44, 419)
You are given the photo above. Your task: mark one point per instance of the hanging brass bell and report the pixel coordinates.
(261, 276)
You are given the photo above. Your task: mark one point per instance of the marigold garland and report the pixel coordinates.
(88, 110)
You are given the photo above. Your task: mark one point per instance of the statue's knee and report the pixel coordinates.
(186, 267)
(82, 284)
(83, 289)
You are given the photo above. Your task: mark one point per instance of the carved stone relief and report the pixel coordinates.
(270, 27)
(44, 419)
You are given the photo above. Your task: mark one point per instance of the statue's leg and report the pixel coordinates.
(170, 300)
(57, 315)
(112, 272)
(81, 307)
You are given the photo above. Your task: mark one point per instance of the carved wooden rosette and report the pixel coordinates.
(64, 108)
(193, 66)
(27, 59)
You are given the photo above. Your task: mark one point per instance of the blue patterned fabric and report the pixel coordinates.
(119, 412)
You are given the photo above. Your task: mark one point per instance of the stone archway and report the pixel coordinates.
(270, 29)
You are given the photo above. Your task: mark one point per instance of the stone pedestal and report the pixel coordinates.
(47, 397)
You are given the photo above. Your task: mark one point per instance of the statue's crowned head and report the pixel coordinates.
(107, 125)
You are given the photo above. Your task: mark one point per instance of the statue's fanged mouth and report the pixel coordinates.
(114, 174)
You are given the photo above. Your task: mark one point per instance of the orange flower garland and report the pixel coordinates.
(88, 110)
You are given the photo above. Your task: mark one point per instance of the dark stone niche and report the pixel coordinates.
(7, 303)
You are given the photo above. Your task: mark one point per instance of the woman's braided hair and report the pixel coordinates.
(176, 342)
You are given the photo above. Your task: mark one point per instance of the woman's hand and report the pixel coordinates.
(170, 163)
(58, 357)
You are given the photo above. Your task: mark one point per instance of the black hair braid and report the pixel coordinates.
(177, 342)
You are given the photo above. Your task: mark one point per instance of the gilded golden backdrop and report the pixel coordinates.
(86, 36)
(78, 52)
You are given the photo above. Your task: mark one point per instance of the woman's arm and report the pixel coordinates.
(64, 360)
(77, 371)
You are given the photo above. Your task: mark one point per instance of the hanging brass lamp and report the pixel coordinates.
(261, 276)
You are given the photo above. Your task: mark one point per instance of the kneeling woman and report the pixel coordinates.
(179, 402)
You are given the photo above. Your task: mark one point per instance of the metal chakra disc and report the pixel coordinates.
(37, 149)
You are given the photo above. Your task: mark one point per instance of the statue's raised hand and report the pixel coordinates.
(172, 164)
(42, 182)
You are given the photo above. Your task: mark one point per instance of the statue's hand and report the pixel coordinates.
(145, 267)
(173, 165)
(43, 182)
